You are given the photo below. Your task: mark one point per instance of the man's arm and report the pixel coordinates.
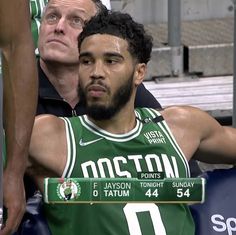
(48, 149)
(201, 136)
(20, 98)
(219, 143)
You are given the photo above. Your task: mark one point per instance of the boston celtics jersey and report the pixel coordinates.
(94, 152)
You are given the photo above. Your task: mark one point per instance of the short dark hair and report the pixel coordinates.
(123, 26)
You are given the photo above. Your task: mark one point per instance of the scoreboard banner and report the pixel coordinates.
(122, 190)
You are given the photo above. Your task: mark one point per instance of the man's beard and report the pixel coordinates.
(119, 99)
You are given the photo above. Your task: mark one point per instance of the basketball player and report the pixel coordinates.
(116, 140)
(20, 90)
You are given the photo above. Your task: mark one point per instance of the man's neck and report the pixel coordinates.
(121, 123)
(65, 80)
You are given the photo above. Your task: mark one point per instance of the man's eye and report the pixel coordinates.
(77, 22)
(111, 61)
(85, 61)
(51, 18)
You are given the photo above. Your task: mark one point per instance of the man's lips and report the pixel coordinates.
(56, 41)
(96, 90)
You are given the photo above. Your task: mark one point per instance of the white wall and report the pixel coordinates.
(155, 11)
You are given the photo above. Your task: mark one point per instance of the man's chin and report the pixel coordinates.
(99, 112)
(59, 57)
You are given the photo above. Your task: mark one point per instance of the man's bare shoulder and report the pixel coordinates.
(47, 141)
(47, 123)
(47, 118)
(189, 119)
(47, 136)
(180, 113)
(184, 113)
(189, 125)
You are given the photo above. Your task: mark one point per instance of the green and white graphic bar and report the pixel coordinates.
(122, 190)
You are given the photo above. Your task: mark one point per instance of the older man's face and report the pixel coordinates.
(61, 24)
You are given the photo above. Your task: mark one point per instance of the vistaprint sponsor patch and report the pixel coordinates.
(154, 137)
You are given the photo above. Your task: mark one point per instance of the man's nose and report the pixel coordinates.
(60, 26)
(98, 70)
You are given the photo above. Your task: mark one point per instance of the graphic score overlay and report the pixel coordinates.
(146, 188)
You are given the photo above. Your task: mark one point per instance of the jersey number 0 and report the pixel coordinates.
(131, 210)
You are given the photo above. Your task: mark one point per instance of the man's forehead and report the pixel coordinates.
(83, 5)
(106, 42)
(71, 1)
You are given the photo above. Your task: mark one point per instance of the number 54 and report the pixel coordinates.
(183, 192)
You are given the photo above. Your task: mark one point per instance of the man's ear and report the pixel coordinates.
(140, 72)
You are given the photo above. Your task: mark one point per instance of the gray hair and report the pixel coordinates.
(99, 6)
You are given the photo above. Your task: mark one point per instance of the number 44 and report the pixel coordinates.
(182, 192)
(151, 193)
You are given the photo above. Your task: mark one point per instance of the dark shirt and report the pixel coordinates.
(50, 102)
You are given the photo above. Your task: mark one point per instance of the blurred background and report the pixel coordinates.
(192, 58)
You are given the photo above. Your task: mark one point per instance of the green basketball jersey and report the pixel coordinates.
(94, 152)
